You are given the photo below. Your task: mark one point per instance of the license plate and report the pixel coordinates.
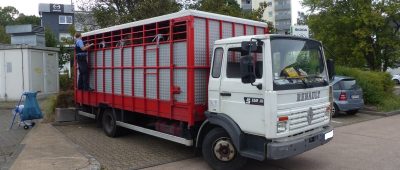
(329, 135)
(355, 96)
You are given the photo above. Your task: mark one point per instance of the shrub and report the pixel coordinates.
(66, 83)
(376, 86)
(62, 100)
(49, 106)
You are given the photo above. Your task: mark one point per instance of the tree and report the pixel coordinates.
(50, 38)
(114, 12)
(4, 37)
(301, 18)
(232, 8)
(27, 19)
(360, 33)
(8, 16)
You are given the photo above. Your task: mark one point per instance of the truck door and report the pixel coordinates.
(215, 80)
(244, 103)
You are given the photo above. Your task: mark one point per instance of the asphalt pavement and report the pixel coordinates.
(369, 145)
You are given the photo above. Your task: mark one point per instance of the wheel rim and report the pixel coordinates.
(333, 110)
(223, 149)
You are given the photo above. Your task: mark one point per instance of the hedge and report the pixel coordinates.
(376, 86)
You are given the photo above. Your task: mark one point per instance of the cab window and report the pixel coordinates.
(217, 62)
(233, 65)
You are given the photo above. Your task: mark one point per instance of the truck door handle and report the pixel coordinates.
(225, 94)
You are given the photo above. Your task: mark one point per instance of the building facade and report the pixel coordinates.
(279, 12)
(58, 18)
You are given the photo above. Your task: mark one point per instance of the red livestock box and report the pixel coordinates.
(158, 66)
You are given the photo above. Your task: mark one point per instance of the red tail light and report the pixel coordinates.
(343, 96)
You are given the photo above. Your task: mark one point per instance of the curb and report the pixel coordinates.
(376, 113)
(93, 163)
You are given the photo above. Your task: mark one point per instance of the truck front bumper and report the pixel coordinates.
(279, 150)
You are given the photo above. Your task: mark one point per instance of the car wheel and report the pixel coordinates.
(352, 112)
(219, 151)
(335, 111)
(396, 81)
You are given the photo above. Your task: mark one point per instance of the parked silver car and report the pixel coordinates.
(347, 95)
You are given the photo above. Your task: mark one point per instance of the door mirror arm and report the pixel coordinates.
(259, 85)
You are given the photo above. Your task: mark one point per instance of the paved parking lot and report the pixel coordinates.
(132, 151)
(136, 150)
(369, 145)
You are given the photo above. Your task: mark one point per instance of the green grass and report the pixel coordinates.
(389, 103)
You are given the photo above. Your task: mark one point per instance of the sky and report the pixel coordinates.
(30, 7)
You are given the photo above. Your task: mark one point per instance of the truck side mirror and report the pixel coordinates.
(331, 68)
(248, 47)
(247, 70)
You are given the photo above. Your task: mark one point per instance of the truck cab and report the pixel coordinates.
(268, 98)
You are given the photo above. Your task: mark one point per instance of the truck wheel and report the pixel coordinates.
(219, 151)
(109, 123)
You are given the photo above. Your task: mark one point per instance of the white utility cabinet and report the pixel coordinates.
(27, 68)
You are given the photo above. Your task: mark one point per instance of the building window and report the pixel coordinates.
(248, 1)
(65, 19)
(64, 37)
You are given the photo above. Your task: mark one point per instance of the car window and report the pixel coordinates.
(349, 84)
(336, 86)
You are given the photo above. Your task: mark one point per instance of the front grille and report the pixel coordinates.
(300, 118)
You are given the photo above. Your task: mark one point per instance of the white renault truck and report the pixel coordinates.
(284, 112)
(215, 82)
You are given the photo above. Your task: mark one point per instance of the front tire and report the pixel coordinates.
(219, 151)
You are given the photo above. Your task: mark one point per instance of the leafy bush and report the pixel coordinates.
(377, 86)
(49, 106)
(62, 100)
(65, 99)
(390, 103)
(66, 83)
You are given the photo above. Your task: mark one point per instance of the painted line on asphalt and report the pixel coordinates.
(336, 121)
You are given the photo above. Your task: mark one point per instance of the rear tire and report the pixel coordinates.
(396, 81)
(352, 112)
(219, 151)
(335, 111)
(109, 123)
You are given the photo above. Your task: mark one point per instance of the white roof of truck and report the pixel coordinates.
(179, 14)
(239, 39)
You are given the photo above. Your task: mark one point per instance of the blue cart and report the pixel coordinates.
(28, 111)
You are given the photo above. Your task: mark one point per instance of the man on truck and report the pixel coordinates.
(81, 57)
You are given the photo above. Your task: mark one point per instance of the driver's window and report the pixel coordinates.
(233, 64)
(217, 62)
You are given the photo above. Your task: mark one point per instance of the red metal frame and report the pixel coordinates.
(189, 111)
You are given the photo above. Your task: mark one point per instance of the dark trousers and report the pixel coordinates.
(83, 80)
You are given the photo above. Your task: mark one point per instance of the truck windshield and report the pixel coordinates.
(297, 63)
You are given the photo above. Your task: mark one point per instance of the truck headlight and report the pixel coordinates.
(282, 124)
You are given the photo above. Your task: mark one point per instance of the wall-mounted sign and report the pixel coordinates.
(57, 8)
